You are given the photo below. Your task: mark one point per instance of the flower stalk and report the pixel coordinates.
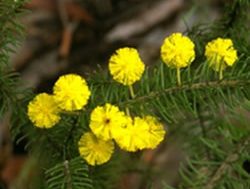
(178, 75)
(131, 90)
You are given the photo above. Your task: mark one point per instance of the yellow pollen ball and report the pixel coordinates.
(156, 132)
(71, 92)
(43, 111)
(133, 136)
(95, 150)
(105, 120)
(177, 51)
(126, 66)
(220, 53)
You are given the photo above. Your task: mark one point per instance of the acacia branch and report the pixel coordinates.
(189, 87)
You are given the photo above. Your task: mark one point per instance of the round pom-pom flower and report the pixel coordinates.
(104, 120)
(43, 111)
(126, 66)
(134, 136)
(220, 54)
(71, 92)
(156, 132)
(177, 51)
(95, 150)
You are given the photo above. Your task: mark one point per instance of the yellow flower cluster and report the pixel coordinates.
(108, 122)
(220, 53)
(177, 51)
(70, 93)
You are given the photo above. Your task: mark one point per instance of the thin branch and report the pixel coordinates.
(62, 12)
(189, 87)
(69, 28)
(67, 174)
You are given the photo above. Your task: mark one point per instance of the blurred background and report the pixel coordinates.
(65, 36)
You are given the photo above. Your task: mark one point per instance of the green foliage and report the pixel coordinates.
(216, 147)
(225, 146)
(69, 174)
(10, 31)
(104, 175)
(217, 151)
(161, 96)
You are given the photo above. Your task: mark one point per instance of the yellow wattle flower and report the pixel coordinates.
(43, 111)
(220, 53)
(177, 51)
(95, 150)
(71, 92)
(156, 132)
(133, 136)
(104, 120)
(126, 66)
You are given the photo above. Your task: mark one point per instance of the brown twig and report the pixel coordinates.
(69, 28)
(67, 36)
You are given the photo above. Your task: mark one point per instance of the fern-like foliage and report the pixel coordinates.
(225, 148)
(10, 31)
(73, 174)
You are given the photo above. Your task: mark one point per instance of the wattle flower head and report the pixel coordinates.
(220, 53)
(133, 136)
(95, 150)
(43, 111)
(105, 120)
(126, 66)
(71, 92)
(177, 51)
(155, 133)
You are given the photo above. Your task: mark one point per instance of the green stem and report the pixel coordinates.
(127, 111)
(221, 74)
(188, 87)
(131, 90)
(178, 75)
(67, 174)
